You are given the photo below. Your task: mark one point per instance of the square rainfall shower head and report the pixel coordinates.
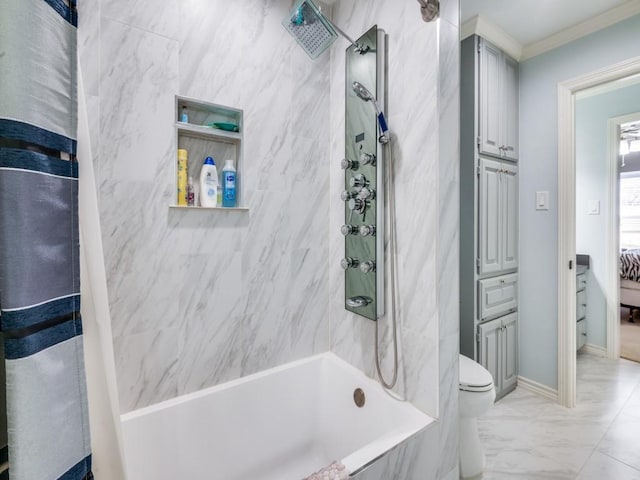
(310, 28)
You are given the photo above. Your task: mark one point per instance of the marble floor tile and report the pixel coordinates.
(601, 466)
(622, 440)
(527, 436)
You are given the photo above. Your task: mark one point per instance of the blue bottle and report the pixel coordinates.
(229, 184)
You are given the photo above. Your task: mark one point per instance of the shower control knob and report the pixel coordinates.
(366, 267)
(347, 263)
(348, 230)
(367, 193)
(347, 164)
(368, 230)
(368, 159)
(345, 195)
(358, 182)
(357, 205)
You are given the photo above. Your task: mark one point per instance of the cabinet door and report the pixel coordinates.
(489, 351)
(510, 99)
(509, 200)
(509, 344)
(489, 217)
(489, 86)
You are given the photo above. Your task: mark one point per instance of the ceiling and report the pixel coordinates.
(529, 21)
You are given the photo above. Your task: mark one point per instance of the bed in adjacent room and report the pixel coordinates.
(630, 279)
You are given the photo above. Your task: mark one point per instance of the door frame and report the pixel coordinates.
(567, 220)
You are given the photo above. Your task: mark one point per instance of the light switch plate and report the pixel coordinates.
(593, 207)
(542, 200)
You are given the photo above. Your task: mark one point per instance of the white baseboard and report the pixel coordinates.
(538, 388)
(594, 350)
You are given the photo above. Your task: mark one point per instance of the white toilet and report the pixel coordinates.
(476, 395)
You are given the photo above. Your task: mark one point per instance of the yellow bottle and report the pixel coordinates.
(182, 176)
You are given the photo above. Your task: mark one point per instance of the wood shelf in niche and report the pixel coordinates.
(201, 141)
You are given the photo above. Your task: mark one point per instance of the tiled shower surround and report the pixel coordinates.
(199, 297)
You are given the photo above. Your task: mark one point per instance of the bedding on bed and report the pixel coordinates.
(630, 265)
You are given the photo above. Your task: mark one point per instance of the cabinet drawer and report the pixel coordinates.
(581, 304)
(581, 334)
(497, 295)
(581, 282)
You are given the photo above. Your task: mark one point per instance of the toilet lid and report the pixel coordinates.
(473, 376)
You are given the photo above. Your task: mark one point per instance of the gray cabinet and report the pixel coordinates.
(498, 351)
(497, 216)
(498, 96)
(489, 210)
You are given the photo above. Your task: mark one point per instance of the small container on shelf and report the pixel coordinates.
(184, 116)
(191, 196)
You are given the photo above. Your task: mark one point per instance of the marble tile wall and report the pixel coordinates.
(423, 102)
(198, 298)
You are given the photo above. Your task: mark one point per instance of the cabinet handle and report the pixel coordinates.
(583, 334)
(584, 304)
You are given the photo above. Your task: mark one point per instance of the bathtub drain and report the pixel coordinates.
(358, 397)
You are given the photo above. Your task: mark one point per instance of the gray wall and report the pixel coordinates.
(539, 78)
(592, 170)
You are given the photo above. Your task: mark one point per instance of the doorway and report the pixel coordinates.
(626, 133)
(567, 92)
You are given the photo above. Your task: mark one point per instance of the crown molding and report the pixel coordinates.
(479, 25)
(599, 22)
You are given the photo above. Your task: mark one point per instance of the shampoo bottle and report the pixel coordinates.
(229, 184)
(209, 183)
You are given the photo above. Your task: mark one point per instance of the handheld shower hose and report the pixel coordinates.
(363, 93)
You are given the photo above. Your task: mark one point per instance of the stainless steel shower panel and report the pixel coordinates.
(364, 166)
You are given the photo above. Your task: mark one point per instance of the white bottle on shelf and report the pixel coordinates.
(209, 183)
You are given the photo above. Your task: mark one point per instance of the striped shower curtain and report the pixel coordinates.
(47, 418)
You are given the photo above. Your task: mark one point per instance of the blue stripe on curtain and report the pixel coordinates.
(80, 470)
(37, 162)
(30, 133)
(25, 318)
(40, 340)
(69, 14)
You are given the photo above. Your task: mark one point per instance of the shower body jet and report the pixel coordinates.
(363, 93)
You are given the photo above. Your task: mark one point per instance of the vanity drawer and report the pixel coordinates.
(581, 334)
(497, 295)
(581, 304)
(581, 282)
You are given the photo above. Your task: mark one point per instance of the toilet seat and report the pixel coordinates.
(473, 376)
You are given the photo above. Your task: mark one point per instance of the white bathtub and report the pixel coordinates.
(281, 424)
